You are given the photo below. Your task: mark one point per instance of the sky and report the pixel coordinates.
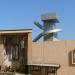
(21, 14)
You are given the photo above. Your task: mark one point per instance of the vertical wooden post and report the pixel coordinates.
(29, 56)
(29, 49)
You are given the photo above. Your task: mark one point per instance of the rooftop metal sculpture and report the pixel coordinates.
(49, 27)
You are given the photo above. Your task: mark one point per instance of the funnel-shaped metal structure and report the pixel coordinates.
(50, 32)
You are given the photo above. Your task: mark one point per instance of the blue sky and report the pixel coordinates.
(20, 14)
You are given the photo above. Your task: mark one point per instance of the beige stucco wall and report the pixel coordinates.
(54, 52)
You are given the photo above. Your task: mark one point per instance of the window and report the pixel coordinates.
(15, 52)
(73, 57)
(22, 43)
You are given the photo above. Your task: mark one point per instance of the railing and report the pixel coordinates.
(7, 73)
(10, 73)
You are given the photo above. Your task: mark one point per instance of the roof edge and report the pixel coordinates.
(16, 31)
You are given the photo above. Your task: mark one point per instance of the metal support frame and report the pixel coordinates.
(42, 69)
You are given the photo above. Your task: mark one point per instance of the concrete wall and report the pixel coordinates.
(54, 52)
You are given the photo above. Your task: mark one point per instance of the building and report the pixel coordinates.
(18, 53)
(14, 46)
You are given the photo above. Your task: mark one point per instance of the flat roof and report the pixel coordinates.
(16, 31)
